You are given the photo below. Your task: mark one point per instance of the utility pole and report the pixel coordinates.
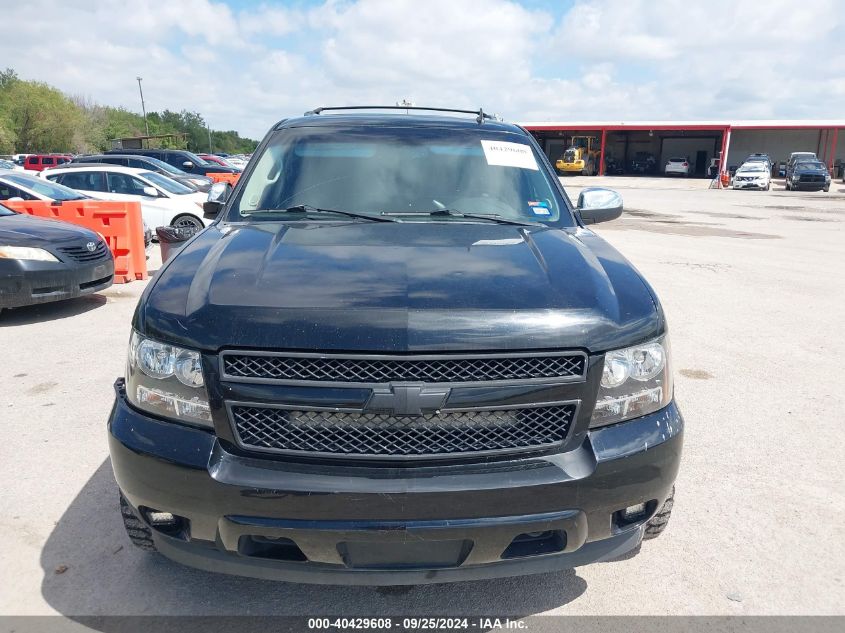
(143, 107)
(210, 146)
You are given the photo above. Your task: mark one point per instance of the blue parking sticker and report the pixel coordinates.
(539, 207)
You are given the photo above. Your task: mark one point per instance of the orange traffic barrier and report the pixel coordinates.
(119, 223)
(726, 180)
(221, 177)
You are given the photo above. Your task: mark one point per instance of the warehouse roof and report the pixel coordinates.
(763, 124)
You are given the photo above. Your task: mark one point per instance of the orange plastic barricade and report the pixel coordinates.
(221, 177)
(119, 223)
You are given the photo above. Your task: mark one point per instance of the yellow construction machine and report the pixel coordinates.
(581, 157)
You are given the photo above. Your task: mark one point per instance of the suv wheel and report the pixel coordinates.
(659, 521)
(187, 221)
(140, 535)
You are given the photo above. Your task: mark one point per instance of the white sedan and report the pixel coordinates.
(752, 175)
(163, 200)
(679, 166)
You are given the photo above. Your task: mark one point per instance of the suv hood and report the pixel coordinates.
(398, 287)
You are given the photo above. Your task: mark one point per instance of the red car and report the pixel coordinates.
(211, 158)
(40, 162)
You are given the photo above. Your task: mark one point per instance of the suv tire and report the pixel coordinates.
(655, 526)
(139, 533)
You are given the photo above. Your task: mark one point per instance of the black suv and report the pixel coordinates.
(399, 356)
(181, 159)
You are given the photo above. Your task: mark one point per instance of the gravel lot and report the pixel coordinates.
(754, 287)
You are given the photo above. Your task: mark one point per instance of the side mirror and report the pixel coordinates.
(152, 192)
(596, 204)
(188, 164)
(217, 196)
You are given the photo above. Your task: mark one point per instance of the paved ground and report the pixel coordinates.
(754, 287)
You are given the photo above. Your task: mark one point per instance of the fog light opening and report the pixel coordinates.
(634, 514)
(161, 519)
(536, 544)
(166, 522)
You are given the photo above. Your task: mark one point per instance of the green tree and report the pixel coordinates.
(35, 117)
(40, 118)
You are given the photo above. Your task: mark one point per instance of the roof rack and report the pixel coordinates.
(480, 114)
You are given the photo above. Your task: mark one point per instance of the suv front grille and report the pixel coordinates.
(364, 434)
(380, 370)
(82, 254)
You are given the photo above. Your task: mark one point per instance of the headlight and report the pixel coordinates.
(27, 252)
(167, 381)
(635, 381)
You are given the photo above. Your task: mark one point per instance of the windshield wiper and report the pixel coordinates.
(307, 208)
(492, 217)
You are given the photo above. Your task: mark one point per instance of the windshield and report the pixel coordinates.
(170, 169)
(45, 188)
(166, 183)
(810, 164)
(753, 167)
(399, 170)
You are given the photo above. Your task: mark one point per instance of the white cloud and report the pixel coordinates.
(247, 68)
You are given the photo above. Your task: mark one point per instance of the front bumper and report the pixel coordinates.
(378, 525)
(751, 184)
(809, 186)
(25, 282)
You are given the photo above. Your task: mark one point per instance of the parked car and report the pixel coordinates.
(148, 163)
(752, 175)
(345, 383)
(16, 185)
(181, 159)
(217, 160)
(163, 201)
(45, 260)
(713, 167)
(238, 161)
(678, 166)
(643, 163)
(38, 162)
(794, 158)
(760, 158)
(809, 175)
(613, 167)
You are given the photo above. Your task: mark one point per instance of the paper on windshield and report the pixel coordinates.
(507, 154)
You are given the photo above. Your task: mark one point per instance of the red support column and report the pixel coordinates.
(831, 157)
(723, 157)
(601, 153)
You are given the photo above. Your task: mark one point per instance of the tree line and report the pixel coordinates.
(37, 118)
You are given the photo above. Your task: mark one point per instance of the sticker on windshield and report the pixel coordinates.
(539, 207)
(507, 154)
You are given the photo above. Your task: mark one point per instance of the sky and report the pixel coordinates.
(245, 65)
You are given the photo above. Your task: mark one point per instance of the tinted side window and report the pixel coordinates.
(63, 160)
(137, 163)
(174, 159)
(125, 184)
(8, 191)
(82, 180)
(48, 160)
